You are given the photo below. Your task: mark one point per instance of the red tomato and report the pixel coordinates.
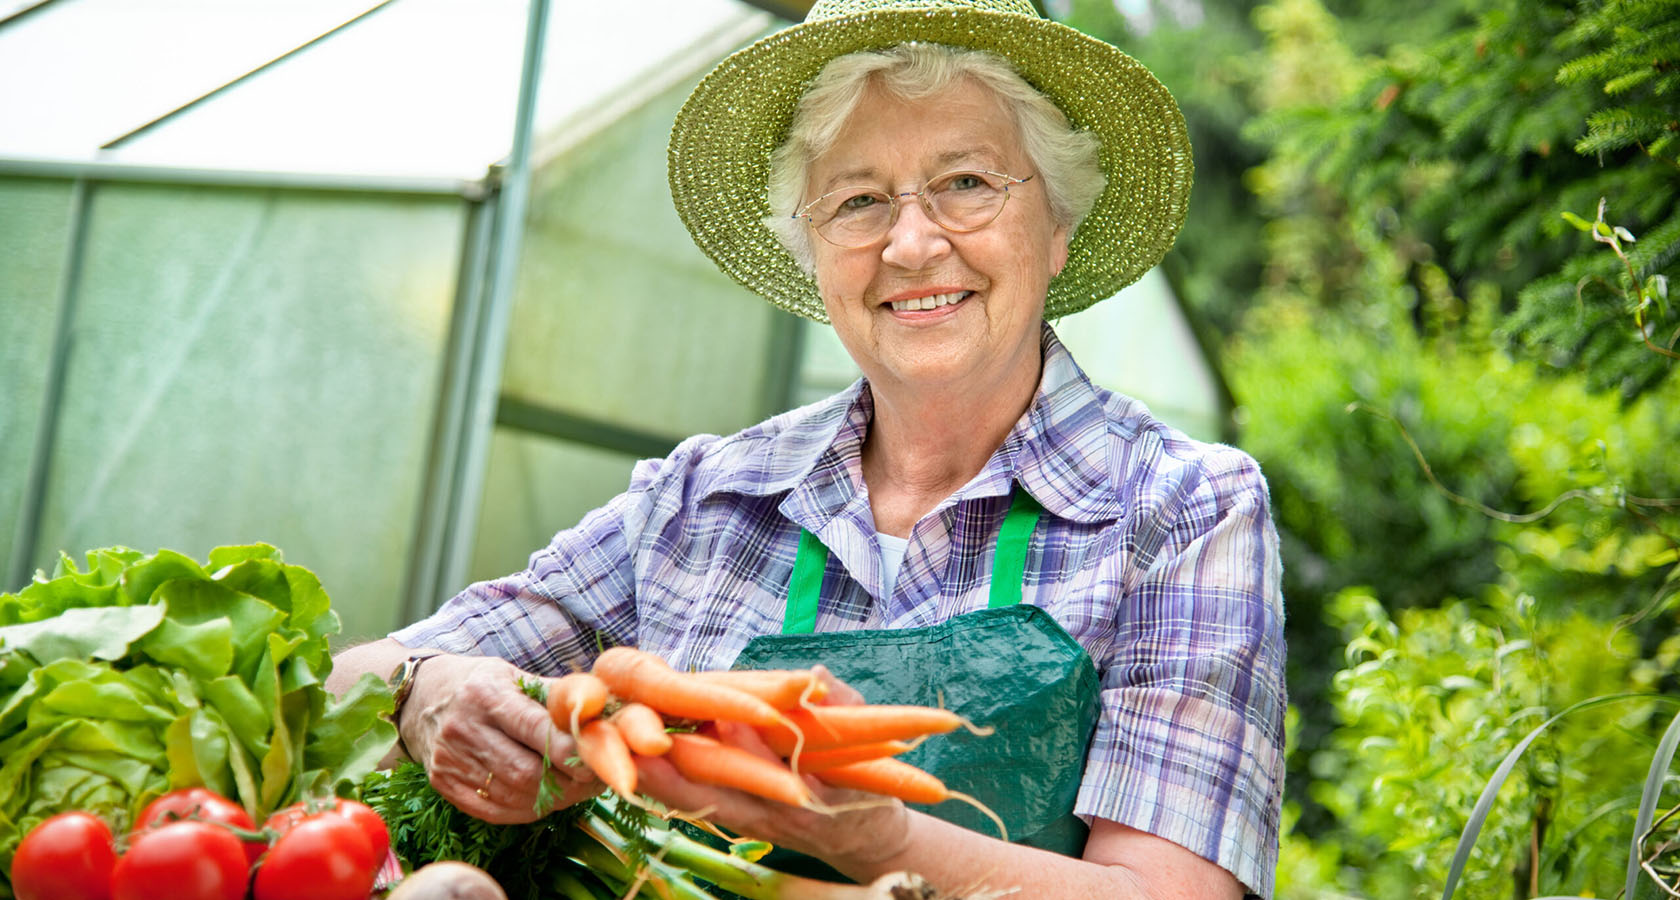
(67, 857)
(322, 857)
(182, 861)
(379, 838)
(205, 805)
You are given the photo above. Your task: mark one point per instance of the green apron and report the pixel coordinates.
(1009, 666)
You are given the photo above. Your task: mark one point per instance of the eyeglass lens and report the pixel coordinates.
(959, 201)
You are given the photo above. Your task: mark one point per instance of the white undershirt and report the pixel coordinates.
(892, 556)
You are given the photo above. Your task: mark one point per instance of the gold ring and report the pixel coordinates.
(484, 792)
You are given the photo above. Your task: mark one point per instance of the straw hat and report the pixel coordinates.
(720, 148)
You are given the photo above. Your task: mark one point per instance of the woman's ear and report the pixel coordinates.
(1059, 250)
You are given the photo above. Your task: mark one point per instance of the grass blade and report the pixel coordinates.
(1484, 803)
(1660, 761)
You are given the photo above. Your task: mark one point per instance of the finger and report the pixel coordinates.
(501, 806)
(839, 692)
(477, 766)
(495, 759)
(491, 797)
(525, 720)
(747, 738)
(796, 829)
(657, 778)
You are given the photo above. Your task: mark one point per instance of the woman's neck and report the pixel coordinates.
(925, 444)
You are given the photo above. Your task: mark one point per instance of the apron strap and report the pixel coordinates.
(1009, 560)
(1009, 564)
(805, 585)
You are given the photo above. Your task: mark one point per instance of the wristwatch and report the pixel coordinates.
(402, 684)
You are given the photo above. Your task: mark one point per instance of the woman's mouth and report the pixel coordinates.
(932, 301)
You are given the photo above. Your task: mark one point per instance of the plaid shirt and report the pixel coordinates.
(1156, 552)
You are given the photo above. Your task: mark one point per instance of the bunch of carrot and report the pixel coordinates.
(626, 707)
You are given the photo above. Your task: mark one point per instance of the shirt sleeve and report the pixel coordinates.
(1189, 745)
(575, 597)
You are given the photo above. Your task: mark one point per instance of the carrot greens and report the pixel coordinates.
(601, 849)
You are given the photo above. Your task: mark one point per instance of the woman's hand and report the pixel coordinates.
(859, 829)
(482, 740)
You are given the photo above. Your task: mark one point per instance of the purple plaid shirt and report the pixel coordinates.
(1156, 552)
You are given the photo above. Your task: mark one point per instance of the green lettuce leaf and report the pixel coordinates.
(81, 633)
(136, 674)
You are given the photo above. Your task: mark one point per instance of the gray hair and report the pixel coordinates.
(1066, 158)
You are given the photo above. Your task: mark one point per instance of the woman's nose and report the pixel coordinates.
(914, 240)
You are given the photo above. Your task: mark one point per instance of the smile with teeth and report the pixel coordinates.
(933, 301)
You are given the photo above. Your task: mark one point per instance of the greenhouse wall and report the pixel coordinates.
(619, 321)
(243, 365)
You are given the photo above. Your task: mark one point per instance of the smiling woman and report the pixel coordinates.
(973, 522)
(937, 319)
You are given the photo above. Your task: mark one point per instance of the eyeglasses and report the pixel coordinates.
(961, 201)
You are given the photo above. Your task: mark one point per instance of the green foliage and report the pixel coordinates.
(1329, 408)
(1461, 152)
(1603, 310)
(1441, 240)
(1638, 62)
(1428, 691)
(1333, 472)
(425, 828)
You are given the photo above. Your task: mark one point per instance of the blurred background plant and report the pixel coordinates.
(1433, 246)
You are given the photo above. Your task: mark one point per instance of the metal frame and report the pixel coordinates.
(46, 423)
(489, 347)
(448, 423)
(100, 170)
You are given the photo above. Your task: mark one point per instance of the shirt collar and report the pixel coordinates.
(1059, 451)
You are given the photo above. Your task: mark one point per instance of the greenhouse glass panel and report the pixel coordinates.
(256, 366)
(439, 101)
(537, 487)
(78, 59)
(32, 242)
(618, 316)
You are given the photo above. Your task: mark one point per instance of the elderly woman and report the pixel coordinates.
(973, 521)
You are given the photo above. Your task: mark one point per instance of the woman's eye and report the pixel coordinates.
(967, 181)
(858, 202)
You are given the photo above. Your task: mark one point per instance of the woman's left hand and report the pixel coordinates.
(859, 829)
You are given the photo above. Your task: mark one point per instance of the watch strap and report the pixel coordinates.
(402, 685)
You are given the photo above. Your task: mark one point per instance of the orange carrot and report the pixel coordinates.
(642, 729)
(781, 688)
(826, 727)
(575, 698)
(897, 778)
(818, 760)
(889, 778)
(707, 761)
(603, 750)
(642, 677)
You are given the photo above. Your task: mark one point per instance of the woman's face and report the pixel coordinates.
(991, 282)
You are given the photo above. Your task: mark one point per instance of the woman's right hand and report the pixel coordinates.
(482, 739)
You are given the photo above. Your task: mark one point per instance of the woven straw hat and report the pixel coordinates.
(720, 148)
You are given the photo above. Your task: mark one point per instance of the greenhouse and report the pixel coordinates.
(370, 527)
(394, 286)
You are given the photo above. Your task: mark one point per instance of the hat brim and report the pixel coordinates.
(722, 140)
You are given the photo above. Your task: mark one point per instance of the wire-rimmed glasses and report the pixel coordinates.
(961, 201)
